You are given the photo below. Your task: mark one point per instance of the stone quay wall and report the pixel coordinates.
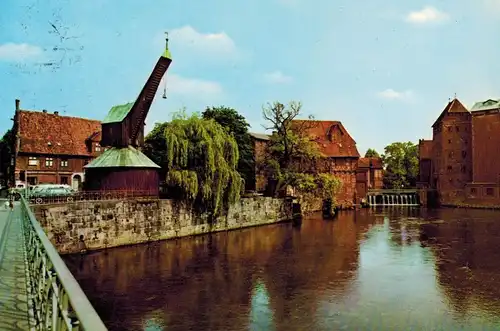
(73, 227)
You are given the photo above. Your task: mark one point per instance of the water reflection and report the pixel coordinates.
(393, 268)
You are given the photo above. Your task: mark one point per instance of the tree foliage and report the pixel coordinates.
(155, 145)
(6, 151)
(401, 165)
(372, 153)
(291, 154)
(201, 162)
(236, 125)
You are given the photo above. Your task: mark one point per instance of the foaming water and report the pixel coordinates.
(384, 269)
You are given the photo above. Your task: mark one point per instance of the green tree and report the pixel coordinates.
(292, 155)
(371, 153)
(201, 163)
(155, 146)
(236, 125)
(401, 165)
(6, 151)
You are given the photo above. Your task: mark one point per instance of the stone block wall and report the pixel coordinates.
(96, 225)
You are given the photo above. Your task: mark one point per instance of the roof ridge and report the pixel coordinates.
(58, 115)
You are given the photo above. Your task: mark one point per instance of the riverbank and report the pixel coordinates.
(94, 225)
(471, 206)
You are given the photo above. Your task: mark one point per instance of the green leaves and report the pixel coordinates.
(201, 159)
(291, 154)
(401, 165)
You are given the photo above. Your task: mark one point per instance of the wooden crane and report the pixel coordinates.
(124, 124)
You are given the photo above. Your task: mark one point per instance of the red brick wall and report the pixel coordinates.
(452, 159)
(486, 141)
(46, 174)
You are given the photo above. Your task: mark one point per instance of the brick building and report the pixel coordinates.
(52, 149)
(461, 160)
(369, 176)
(339, 156)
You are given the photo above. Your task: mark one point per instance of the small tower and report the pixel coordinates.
(123, 167)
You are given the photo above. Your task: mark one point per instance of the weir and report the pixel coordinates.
(393, 198)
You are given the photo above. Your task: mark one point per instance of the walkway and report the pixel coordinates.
(13, 268)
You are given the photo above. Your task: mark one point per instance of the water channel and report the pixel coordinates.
(398, 268)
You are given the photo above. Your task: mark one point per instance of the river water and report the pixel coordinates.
(384, 269)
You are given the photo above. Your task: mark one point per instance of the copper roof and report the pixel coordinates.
(332, 137)
(259, 136)
(47, 133)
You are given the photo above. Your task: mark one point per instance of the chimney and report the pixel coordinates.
(44, 111)
(56, 113)
(17, 104)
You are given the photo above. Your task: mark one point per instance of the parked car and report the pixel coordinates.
(51, 193)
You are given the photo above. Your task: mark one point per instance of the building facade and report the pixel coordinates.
(369, 176)
(460, 163)
(339, 157)
(53, 149)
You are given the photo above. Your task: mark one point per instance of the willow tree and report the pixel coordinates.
(201, 163)
(293, 155)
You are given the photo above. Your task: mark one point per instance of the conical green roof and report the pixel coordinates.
(126, 157)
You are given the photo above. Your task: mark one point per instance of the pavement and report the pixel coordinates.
(13, 271)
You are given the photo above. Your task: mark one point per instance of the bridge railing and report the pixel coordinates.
(57, 299)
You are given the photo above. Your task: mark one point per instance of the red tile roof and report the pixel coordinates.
(366, 162)
(46, 133)
(425, 149)
(454, 106)
(332, 138)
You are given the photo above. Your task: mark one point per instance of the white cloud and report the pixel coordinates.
(218, 43)
(192, 87)
(390, 94)
(492, 5)
(277, 77)
(427, 14)
(18, 52)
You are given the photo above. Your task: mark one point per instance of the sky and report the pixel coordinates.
(384, 68)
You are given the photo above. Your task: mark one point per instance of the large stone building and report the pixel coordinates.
(53, 149)
(460, 163)
(339, 157)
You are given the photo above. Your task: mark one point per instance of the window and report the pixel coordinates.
(64, 180)
(464, 169)
(449, 141)
(450, 154)
(449, 129)
(49, 162)
(489, 191)
(32, 181)
(457, 128)
(32, 161)
(64, 163)
(449, 168)
(464, 154)
(473, 191)
(97, 147)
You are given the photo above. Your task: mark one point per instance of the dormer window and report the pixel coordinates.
(97, 147)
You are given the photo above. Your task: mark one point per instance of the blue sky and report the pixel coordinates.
(385, 68)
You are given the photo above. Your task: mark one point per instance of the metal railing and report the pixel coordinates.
(92, 196)
(57, 301)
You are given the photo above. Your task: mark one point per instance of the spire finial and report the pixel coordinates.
(455, 96)
(166, 53)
